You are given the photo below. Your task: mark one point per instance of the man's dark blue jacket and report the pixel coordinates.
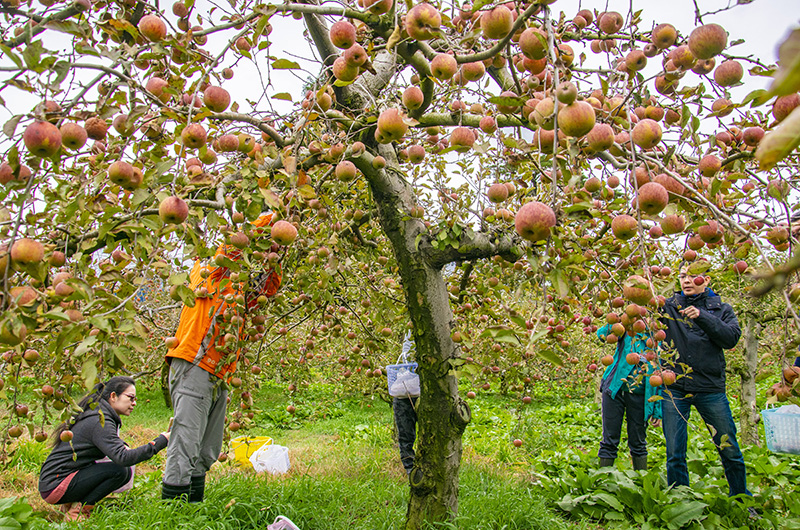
(699, 343)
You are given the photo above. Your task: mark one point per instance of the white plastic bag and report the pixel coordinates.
(272, 458)
(282, 523)
(406, 384)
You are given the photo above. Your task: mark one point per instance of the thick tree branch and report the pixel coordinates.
(472, 246)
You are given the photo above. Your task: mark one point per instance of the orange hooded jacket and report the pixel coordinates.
(198, 328)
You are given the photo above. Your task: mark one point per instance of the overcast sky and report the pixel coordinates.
(762, 23)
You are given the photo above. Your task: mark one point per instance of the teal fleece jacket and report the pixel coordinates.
(623, 376)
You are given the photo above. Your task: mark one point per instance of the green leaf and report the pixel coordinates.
(680, 514)
(11, 125)
(550, 356)
(178, 279)
(11, 55)
(285, 64)
(307, 192)
(272, 199)
(787, 78)
(89, 372)
(283, 95)
(186, 295)
(757, 97)
(33, 54)
(85, 345)
(780, 142)
(559, 281)
(610, 500)
(68, 26)
(9, 523)
(686, 115)
(507, 101)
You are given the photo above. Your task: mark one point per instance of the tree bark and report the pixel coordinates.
(748, 412)
(441, 414)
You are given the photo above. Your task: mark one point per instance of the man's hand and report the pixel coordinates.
(655, 423)
(690, 312)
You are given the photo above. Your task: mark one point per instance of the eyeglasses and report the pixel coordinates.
(132, 397)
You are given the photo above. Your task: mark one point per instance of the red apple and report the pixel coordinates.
(152, 28)
(707, 41)
(284, 232)
(497, 23)
(42, 139)
(217, 99)
(73, 136)
(534, 221)
(423, 22)
(173, 210)
(342, 34)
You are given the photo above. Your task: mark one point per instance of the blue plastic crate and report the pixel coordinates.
(782, 431)
(392, 372)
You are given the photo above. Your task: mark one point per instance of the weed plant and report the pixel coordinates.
(346, 473)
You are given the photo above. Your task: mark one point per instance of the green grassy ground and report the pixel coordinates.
(346, 473)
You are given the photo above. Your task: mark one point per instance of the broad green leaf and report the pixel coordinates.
(186, 295)
(89, 372)
(757, 97)
(787, 78)
(11, 55)
(680, 514)
(508, 101)
(11, 125)
(307, 192)
(33, 54)
(779, 142)
(85, 345)
(283, 95)
(9, 523)
(272, 199)
(610, 500)
(285, 64)
(178, 279)
(550, 356)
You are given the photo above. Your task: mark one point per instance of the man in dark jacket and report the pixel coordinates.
(699, 327)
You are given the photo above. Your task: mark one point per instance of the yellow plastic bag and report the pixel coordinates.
(244, 446)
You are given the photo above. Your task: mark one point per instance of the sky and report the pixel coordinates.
(762, 23)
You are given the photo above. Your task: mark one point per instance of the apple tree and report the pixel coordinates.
(564, 162)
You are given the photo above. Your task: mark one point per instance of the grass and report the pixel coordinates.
(346, 471)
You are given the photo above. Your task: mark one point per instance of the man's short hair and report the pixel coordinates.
(795, 217)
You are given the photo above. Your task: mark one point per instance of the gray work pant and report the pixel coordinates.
(199, 400)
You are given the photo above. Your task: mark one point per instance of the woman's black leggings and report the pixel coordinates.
(93, 483)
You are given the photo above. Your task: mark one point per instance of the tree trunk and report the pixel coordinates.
(442, 415)
(748, 412)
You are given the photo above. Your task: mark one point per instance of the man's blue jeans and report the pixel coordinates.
(716, 412)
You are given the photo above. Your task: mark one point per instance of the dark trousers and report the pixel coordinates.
(95, 482)
(630, 406)
(716, 412)
(405, 417)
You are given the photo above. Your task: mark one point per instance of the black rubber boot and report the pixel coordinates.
(606, 462)
(171, 492)
(639, 463)
(198, 488)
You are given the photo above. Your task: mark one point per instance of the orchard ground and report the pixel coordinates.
(346, 471)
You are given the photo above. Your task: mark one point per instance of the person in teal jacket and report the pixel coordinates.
(626, 393)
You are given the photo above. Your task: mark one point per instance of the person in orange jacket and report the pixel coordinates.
(201, 366)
